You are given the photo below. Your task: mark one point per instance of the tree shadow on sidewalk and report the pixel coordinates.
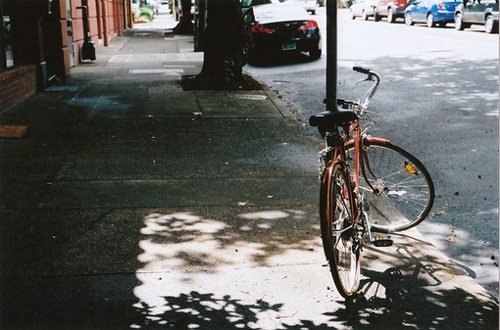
(205, 311)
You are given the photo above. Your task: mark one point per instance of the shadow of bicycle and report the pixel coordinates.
(415, 294)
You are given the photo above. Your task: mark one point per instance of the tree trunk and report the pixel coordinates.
(224, 45)
(185, 26)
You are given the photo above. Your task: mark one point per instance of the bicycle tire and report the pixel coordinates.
(406, 190)
(336, 209)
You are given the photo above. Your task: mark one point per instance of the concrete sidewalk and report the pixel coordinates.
(132, 204)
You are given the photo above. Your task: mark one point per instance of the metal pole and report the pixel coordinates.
(331, 55)
(88, 49)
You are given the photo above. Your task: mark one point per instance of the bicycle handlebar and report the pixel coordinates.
(361, 70)
(372, 76)
(370, 93)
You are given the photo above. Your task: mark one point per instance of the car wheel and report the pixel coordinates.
(352, 14)
(430, 20)
(390, 16)
(315, 53)
(364, 15)
(459, 24)
(409, 19)
(254, 58)
(490, 25)
(376, 16)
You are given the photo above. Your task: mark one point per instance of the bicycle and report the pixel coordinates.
(368, 185)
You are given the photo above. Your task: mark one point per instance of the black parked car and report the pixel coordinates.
(484, 12)
(282, 28)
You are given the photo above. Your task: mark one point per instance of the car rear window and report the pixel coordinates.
(279, 13)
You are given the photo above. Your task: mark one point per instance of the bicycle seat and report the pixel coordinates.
(331, 118)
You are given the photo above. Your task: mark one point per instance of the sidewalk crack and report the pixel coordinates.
(98, 219)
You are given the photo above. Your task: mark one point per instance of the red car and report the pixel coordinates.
(391, 9)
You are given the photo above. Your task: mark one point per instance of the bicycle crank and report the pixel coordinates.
(378, 241)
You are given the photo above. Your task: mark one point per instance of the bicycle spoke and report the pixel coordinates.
(405, 191)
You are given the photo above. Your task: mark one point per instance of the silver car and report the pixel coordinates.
(363, 9)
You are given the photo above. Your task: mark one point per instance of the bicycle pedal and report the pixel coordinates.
(382, 241)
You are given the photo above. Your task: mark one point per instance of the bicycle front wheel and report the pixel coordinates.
(405, 192)
(339, 236)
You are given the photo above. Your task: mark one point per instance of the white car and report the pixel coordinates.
(164, 7)
(309, 5)
(363, 9)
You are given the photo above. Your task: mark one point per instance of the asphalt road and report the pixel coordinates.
(438, 100)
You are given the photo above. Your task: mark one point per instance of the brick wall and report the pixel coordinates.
(17, 85)
(107, 20)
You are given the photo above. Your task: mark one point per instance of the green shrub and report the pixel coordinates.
(147, 13)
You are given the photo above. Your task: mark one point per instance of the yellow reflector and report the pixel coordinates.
(409, 167)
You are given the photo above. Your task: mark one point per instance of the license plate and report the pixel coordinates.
(289, 46)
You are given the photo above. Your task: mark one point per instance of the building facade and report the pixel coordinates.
(43, 39)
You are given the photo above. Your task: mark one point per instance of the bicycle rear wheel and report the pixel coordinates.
(338, 234)
(406, 191)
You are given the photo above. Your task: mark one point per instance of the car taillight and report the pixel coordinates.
(310, 25)
(261, 28)
(441, 5)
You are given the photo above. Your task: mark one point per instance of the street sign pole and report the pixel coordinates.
(331, 55)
